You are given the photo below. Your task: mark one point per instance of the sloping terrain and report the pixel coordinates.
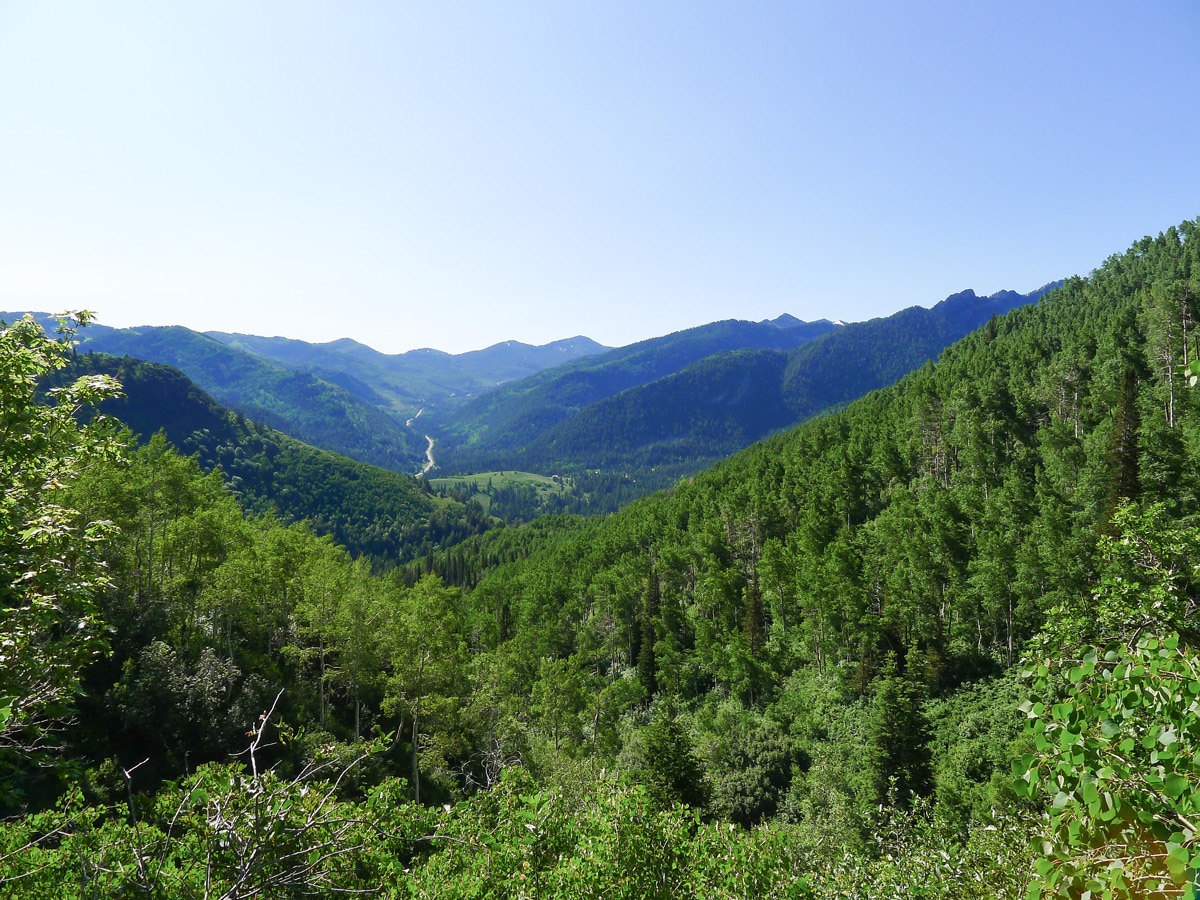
(297, 403)
(724, 402)
(406, 382)
(516, 415)
(370, 510)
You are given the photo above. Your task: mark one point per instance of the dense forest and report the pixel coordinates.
(408, 382)
(941, 643)
(334, 416)
(387, 516)
(638, 419)
(503, 421)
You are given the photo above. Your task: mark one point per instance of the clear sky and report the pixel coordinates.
(456, 174)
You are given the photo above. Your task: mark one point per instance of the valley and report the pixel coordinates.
(599, 451)
(518, 496)
(913, 608)
(622, 423)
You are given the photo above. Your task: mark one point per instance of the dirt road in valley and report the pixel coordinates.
(428, 457)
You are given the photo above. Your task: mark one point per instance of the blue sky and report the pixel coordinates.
(456, 174)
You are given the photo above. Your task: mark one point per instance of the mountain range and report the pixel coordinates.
(317, 392)
(622, 422)
(406, 382)
(370, 510)
(695, 396)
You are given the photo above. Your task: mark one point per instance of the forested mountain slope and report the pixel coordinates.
(793, 675)
(508, 419)
(927, 532)
(864, 356)
(725, 402)
(383, 514)
(409, 381)
(944, 514)
(297, 403)
(710, 409)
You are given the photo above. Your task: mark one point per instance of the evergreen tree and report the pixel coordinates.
(672, 772)
(898, 735)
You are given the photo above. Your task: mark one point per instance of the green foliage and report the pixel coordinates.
(671, 770)
(428, 676)
(518, 842)
(975, 737)
(898, 734)
(749, 760)
(1118, 760)
(299, 404)
(382, 514)
(49, 567)
(213, 613)
(221, 832)
(1117, 728)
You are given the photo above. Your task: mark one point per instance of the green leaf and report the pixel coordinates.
(1021, 767)
(1177, 861)
(1175, 784)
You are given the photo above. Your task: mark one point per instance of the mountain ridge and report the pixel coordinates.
(504, 417)
(417, 377)
(368, 509)
(695, 418)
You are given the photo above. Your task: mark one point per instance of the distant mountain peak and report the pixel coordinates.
(786, 320)
(967, 294)
(1003, 301)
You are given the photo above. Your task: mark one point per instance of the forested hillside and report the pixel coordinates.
(942, 643)
(299, 404)
(407, 382)
(388, 516)
(865, 356)
(681, 422)
(499, 424)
